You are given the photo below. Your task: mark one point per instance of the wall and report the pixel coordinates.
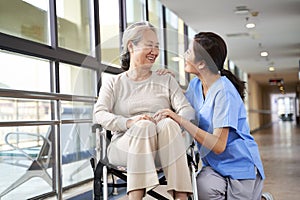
(255, 106)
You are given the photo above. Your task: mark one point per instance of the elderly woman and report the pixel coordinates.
(126, 106)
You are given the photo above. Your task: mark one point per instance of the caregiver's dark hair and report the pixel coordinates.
(216, 47)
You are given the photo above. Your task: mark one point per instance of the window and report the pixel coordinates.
(155, 18)
(25, 19)
(76, 80)
(109, 32)
(74, 25)
(21, 72)
(175, 46)
(135, 10)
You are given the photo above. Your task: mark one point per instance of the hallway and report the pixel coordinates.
(280, 151)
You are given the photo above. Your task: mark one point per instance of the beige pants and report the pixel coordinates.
(146, 146)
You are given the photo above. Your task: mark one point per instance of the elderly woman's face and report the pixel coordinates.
(147, 50)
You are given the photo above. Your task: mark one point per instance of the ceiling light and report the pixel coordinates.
(264, 54)
(271, 69)
(250, 25)
(176, 59)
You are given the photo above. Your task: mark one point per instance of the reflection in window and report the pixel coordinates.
(74, 26)
(109, 32)
(25, 19)
(24, 73)
(20, 148)
(76, 80)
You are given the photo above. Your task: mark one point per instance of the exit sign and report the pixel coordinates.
(278, 81)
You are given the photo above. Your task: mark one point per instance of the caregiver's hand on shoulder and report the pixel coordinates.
(164, 71)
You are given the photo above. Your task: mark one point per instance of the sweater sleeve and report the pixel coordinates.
(179, 102)
(103, 109)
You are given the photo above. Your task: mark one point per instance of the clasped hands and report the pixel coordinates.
(158, 116)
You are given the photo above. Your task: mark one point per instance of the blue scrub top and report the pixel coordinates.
(223, 107)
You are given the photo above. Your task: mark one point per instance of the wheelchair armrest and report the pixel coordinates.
(95, 126)
(98, 126)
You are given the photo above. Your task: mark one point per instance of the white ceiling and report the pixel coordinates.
(277, 31)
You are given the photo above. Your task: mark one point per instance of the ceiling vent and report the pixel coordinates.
(238, 34)
(241, 10)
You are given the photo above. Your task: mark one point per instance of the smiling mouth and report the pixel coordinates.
(151, 58)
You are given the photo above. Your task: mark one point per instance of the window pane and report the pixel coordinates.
(155, 12)
(19, 148)
(191, 35)
(24, 110)
(77, 110)
(135, 10)
(25, 19)
(155, 18)
(175, 46)
(76, 80)
(110, 32)
(74, 25)
(181, 49)
(24, 72)
(77, 147)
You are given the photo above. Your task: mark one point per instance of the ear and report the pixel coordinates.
(130, 46)
(201, 64)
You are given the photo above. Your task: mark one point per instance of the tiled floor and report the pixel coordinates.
(280, 151)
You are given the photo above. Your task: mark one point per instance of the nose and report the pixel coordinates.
(154, 51)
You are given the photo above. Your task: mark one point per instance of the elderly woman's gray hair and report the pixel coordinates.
(133, 33)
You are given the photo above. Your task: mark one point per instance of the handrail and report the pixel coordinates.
(261, 111)
(40, 123)
(28, 123)
(44, 95)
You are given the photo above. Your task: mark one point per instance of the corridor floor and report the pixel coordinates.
(279, 147)
(280, 152)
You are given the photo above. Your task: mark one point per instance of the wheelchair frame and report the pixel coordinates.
(102, 168)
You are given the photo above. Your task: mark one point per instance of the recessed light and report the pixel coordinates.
(250, 25)
(176, 59)
(264, 54)
(271, 69)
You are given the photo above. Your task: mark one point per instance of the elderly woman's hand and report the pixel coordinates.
(167, 113)
(134, 119)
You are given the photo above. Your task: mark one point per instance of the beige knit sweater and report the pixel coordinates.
(120, 98)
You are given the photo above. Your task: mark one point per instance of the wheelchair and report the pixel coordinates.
(104, 188)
